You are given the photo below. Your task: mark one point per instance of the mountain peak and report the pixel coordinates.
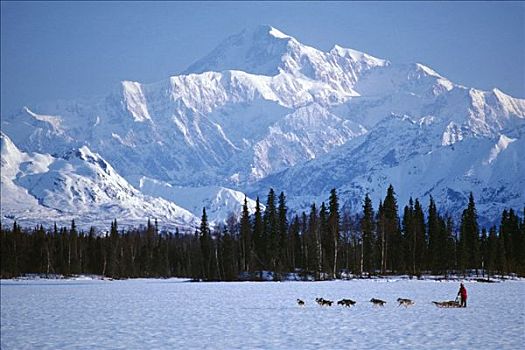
(265, 50)
(256, 50)
(7, 148)
(261, 103)
(278, 34)
(427, 70)
(262, 30)
(357, 56)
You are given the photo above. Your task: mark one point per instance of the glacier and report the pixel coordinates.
(263, 110)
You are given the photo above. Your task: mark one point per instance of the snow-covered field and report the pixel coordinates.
(171, 314)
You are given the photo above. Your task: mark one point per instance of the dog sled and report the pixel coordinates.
(447, 303)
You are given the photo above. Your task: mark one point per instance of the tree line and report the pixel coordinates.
(323, 243)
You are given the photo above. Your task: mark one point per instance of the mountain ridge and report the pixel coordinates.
(241, 120)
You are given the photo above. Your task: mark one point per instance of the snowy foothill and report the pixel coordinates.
(172, 314)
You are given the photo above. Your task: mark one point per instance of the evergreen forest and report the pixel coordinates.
(323, 243)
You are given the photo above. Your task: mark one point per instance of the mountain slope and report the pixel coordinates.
(80, 184)
(159, 130)
(220, 202)
(408, 154)
(264, 110)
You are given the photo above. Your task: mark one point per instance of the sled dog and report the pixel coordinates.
(377, 302)
(323, 302)
(346, 302)
(405, 302)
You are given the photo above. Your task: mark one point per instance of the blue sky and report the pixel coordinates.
(63, 50)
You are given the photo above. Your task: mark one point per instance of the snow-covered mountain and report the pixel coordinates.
(220, 202)
(414, 160)
(264, 110)
(79, 185)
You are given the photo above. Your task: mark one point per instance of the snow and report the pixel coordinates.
(305, 134)
(277, 33)
(512, 105)
(359, 56)
(263, 110)
(42, 189)
(428, 70)
(452, 134)
(220, 202)
(255, 50)
(135, 101)
(500, 146)
(412, 159)
(52, 120)
(168, 314)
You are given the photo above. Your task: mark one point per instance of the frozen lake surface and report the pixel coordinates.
(171, 314)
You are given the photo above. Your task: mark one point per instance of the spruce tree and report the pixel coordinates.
(434, 243)
(521, 247)
(74, 263)
(452, 254)
(305, 243)
(246, 237)
(271, 232)
(113, 248)
(491, 251)
(420, 243)
(314, 245)
(50, 252)
(295, 244)
(381, 238)
(206, 246)
(409, 236)
(229, 270)
(258, 236)
(5, 253)
(68, 235)
(350, 248)
(392, 255)
(444, 247)
(469, 236)
(501, 259)
(195, 260)
(483, 250)
(368, 229)
(282, 212)
(326, 241)
(334, 227)
(513, 228)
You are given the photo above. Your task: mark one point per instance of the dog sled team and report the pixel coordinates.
(350, 302)
(461, 301)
